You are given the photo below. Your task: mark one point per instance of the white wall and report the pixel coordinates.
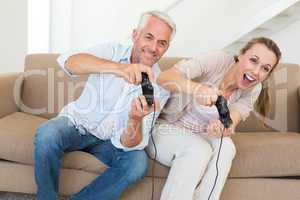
(202, 25)
(83, 23)
(38, 26)
(288, 40)
(60, 23)
(208, 25)
(13, 40)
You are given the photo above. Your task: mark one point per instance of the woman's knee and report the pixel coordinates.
(199, 149)
(228, 148)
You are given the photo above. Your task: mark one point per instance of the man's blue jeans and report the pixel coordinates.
(58, 136)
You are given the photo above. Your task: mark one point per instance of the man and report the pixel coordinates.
(111, 118)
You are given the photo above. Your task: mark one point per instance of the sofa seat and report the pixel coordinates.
(266, 154)
(17, 134)
(259, 154)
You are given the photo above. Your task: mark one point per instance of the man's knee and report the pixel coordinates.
(48, 136)
(43, 135)
(137, 166)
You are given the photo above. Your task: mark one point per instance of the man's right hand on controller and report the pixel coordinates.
(132, 72)
(133, 134)
(139, 108)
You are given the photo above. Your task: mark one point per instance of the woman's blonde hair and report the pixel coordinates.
(263, 102)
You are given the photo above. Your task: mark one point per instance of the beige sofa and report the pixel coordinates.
(266, 165)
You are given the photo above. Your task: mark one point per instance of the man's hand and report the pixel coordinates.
(132, 72)
(139, 109)
(206, 95)
(215, 129)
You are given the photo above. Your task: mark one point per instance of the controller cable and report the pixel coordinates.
(155, 151)
(148, 92)
(224, 115)
(216, 178)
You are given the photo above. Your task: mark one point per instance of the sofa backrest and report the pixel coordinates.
(46, 89)
(285, 110)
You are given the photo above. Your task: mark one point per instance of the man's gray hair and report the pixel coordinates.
(161, 15)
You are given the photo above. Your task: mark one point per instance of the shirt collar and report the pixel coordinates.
(127, 55)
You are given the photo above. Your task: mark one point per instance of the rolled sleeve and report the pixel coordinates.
(62, 60)
(105, 51)
(245, 104)
(116, 139)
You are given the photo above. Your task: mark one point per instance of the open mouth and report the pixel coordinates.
(249, 78)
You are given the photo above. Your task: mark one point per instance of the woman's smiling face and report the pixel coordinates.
(254, 66)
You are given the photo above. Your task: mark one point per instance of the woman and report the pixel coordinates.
(187, 135)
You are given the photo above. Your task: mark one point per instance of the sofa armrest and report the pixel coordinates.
(299, 94)
(284, 113)
(10, 91)
(299, 104)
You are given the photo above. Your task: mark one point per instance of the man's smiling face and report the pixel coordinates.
(151, 41)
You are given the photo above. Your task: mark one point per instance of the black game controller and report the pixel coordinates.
(223, 110)
(147, 89)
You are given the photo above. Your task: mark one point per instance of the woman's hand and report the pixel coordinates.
(206, 95)
(215, 129)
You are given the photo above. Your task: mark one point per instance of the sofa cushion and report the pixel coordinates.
(16, 145)
(259, 154)
(265, 154)
(261, 188)
(17, 134)
(16, 177)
